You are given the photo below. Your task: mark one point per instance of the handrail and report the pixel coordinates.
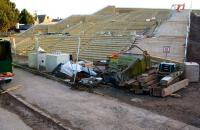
(187, 35)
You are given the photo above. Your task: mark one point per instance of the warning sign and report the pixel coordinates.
(166, 49)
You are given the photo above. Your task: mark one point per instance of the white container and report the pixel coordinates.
(32, 60)
(42, 59)
(192, 71)
(53, 60)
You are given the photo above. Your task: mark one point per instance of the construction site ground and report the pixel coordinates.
(83, 110)
(114, 108)
(184, 108)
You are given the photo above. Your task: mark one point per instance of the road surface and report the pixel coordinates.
(86, 111)
(10, 121)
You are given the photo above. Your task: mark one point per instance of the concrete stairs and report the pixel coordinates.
(102, 47)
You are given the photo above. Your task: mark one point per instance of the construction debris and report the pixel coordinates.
(127, 71)
(11, 89)
(171, 78)
(124, 70)
(69, 69)
(175, 87)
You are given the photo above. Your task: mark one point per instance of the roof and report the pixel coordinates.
(56, 20)
(41, 18)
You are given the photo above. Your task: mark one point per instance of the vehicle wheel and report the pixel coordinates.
(8, 81)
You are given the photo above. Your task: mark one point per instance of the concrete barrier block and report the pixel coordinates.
(191, 71)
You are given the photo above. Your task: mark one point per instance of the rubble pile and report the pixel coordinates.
(134, 72)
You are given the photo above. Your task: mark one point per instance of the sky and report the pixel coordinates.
(65, 8)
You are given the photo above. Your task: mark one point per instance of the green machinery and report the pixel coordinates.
(124, 67)
(128, 66)
(6, 74)
(5, 57)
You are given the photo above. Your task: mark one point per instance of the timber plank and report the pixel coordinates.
(174, 87)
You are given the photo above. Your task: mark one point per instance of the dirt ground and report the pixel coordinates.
(185, 108)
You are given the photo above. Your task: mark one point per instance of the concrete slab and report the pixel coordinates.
(85, 110)
(154, 46)
(174, 28)
(179, 16)
(10, 121)
(176, 25)
(170, 33)
(192, 71)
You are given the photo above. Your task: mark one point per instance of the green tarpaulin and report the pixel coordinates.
(126, 67)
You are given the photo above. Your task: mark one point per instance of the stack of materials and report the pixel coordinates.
(154, 84)
(142, 83)
(170, 79)
(147, 81)
(169, 84)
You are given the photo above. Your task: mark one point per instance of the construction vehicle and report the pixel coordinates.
(6, 74)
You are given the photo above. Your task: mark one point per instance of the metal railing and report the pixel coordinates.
(187, 36)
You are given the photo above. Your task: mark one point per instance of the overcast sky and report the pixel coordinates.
(65, 8)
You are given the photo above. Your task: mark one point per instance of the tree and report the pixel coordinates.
(4, 23)
(8, 15)
(25, 17)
